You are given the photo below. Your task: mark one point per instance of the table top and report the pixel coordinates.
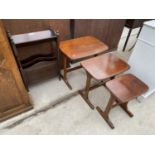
(126, 87)
(82, 47)
(105, 66)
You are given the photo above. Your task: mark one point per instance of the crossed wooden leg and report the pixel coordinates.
(110, 105)
(84, 93)
(105, 113)
(124, 106)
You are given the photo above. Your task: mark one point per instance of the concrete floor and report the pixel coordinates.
(57, 110)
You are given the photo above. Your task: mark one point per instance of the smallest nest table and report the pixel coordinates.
(75, 50)
(123, 89)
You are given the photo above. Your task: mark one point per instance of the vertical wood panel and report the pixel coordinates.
(13, 95)
(17, 26)
(107, 30)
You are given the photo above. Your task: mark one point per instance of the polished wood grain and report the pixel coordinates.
(82, 47)
(123, 89)
(104, 66)
(14, 98)
(107, 30)
(101, 68)
(78, 49)
(126, 87)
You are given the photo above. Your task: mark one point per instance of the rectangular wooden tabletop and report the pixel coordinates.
(82, 47)
(126, 87)
(105, 66)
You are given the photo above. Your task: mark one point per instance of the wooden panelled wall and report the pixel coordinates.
(106, 30)
(16, 26)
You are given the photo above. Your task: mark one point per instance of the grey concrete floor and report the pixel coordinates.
(57, 110)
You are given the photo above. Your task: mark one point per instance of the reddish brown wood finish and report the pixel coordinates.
(126, 87)
(82, 47)
(85, 93)
(123, 89)
(104, 66)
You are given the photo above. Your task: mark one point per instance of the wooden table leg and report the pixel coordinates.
(65, 72)
(105, 114)
(88, 82)
(124, 106)
(84, 93)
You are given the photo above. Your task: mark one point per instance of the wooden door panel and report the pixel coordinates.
(14, 98)
(9, 94)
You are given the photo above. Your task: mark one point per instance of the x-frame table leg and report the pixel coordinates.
(124, 106)
(105, 114)
(84, 93)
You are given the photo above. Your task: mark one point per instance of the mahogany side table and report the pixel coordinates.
(123, 89)
(75, 50)
(101, 68)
